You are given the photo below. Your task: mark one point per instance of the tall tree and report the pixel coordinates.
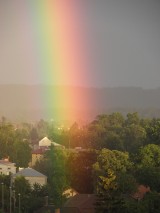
(79, 169)
(107, 172)
(54, 166)
(22, 153)
(149, 156)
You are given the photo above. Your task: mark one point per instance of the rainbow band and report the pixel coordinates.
(57, 41)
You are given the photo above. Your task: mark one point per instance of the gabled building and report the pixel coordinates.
(7, 167)
(45, 144)
(32, 176)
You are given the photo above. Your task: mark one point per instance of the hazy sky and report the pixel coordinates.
(123, 41)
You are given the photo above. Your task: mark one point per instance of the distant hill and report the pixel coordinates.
(33, 102)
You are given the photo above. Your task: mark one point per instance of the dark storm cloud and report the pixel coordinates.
(123, 37)
(126, 41)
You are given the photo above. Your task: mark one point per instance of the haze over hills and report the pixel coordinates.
(29, 102)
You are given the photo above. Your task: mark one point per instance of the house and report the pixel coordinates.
(80, 203)
(32, 176)
(45, 144)
(7, 167)
(36, 156)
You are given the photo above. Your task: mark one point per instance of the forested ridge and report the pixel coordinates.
(116, 154)
(23, 102)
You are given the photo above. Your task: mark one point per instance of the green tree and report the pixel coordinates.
(149, 176)
(59, 181)
(134, 136)
(31, 198)
(108, 180)
(37, 197)
(42, 128)
(33, 135)
(44, 166)
(22, 192)
(6, 140)
(105, 131)
(149, 156)
(55, 161)
(22, 185)
(22, 153)
(132, 118)
(152, 130)
(79, 169)
(109, 198)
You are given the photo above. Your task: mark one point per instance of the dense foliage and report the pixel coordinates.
(111, 157)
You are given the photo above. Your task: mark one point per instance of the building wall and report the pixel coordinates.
(40, 180)
(35, 158)
(7, 169)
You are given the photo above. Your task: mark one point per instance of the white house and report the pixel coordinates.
(45, 142)
(7, 167)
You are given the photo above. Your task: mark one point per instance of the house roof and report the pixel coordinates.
(142, 190)
(81, 201)
(29, 172)
(45, 142)
(6, 162)
(46, 209)
(38, 151)
(57, 145)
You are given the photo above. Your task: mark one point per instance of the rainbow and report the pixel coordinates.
(57, 43)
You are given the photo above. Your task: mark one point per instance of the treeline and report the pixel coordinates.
(114, 176)
(18, 140)
(14, 144)
(115, 131)
(87, 103)
(21, 197)
(118, 154)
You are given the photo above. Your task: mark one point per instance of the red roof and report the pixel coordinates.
(142, 190)
(38, 151)
(5, 161)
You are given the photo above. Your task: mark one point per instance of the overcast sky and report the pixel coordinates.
(123, 40)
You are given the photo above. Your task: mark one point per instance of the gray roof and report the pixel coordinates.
(29, 172)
